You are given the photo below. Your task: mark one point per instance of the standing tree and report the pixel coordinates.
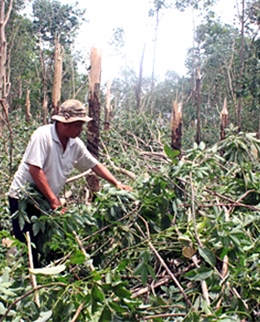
(4, 74)
(53, 21)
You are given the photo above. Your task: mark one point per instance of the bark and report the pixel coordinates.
(176, 126)
(242, 64)
(223, 120)
(94, 102)
(28, 107)
(56, 92)
(108, 109)
(4, 76)
(198, 103)
(139, 85)
(44, 81)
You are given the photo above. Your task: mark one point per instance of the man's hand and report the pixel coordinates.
(56, 203)
(122, 186)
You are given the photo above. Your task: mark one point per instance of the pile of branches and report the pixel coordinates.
(182, 246)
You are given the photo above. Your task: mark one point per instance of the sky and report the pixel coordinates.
(175, 34)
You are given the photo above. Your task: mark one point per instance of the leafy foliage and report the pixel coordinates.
(196, 216)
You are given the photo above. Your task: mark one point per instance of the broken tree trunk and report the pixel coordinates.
(223, 120)
(138, 89)
(108, 109)
(56, 91)
(176, 126)
(94, 102)
(94, 113)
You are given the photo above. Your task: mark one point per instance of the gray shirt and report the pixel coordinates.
(45, 151)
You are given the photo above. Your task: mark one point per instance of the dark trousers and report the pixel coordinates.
(20, 234)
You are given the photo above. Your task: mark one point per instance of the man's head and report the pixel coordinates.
(71, 111)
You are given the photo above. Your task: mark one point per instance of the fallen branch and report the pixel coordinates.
(31, 265)
(188, 302)
(165, 315)
(77, 177)
(27, 294)
(78, 312)
(92, 268)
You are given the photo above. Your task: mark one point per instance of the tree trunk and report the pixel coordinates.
(108, 109)
(139, 85)
(44, 81)
(4, 81)
(56, 91)
(176, 126)
(28, 107)
(241, 72)
(198, 103)
(94, 102)
(223, 120)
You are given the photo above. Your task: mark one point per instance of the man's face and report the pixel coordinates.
(74, 129)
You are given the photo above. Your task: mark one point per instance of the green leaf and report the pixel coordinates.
(105, 315)
(48, 270)
(172, 154)
(97, 294)
(151, 271)
(144, 275)
(208, 256)
(44, 316)
(78, 257)
(199, 274)
(3, 310)
(121, 291)
(139, 268)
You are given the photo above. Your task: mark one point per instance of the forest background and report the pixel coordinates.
(184, 245)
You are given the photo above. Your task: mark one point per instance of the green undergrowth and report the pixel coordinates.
(182, 246)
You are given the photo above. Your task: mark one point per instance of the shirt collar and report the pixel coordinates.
(56, 138)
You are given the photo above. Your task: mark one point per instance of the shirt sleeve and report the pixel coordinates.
(37, 149)
(85, 160)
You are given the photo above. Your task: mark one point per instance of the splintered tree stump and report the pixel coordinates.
(94, 102)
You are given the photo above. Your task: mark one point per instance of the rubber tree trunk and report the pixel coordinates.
(176, 126)
(56, 91)
(242, 67)
(198, 103)
(108, 109)
(28, 107)
(223, 120)
(4, 64)
(94, 102)
(138, 90)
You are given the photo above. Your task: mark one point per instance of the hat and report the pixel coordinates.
(71, 111)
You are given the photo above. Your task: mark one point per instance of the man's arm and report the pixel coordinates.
(104, 173)
(42, 184)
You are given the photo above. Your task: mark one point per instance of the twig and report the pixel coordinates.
(121, 170)
(27, 294)
(83, 174)
(234, 203)
(188, 302)
(32, 276)
(78, 312)
(203, 283)
(92, 268)
(165, 315)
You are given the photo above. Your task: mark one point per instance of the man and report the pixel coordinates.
(54, 150)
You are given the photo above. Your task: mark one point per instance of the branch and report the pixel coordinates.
(27, 294)
(81, 175)
(33, 277)
(188, 302)
(78, 312)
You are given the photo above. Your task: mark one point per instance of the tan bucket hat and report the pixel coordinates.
(71, 111)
